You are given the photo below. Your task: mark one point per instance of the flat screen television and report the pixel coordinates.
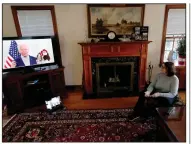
(28, 52)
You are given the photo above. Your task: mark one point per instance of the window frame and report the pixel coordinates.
(167, 8)
(16, 19)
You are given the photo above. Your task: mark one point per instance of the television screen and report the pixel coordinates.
(27, 52)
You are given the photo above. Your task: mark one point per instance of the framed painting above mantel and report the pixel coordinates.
(120, 18)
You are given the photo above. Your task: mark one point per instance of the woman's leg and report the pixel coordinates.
(153, 103)
(164, 102)
(148, 109)
(139, 107)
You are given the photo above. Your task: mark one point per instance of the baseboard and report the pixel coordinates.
(74, 87)
(181, 89)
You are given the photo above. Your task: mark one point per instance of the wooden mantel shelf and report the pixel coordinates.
(113, 49)
(128, 42)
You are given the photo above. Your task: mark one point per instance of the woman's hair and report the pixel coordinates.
(46, 57)
(170, 68)
(38, 56)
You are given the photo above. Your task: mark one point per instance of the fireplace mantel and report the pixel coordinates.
(113, 49)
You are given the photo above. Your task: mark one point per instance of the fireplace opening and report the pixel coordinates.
(111, 77)
(114, 76)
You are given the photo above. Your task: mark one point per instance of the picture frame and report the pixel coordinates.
(144, 32)
(141, 33)
(120, 18)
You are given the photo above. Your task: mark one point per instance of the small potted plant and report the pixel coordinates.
(181, 49)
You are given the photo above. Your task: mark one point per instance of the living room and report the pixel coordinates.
(92, 107)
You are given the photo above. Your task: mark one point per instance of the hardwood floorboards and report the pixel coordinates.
(182, 95)
(75, 101)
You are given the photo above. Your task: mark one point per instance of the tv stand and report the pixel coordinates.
(25, 90)
(28, 70)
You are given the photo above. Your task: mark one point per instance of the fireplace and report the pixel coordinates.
(114, 67)
(115, 75)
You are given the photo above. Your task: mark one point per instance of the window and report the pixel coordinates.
(173, 29)
(34, 20)
(37, 21)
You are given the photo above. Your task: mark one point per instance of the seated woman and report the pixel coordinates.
(160, 93)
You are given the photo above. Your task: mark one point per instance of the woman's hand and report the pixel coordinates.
(155, 95)
(147, 94)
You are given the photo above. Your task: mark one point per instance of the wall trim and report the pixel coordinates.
(74, 87)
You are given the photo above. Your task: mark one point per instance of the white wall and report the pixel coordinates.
(154, 18)
(72, 28)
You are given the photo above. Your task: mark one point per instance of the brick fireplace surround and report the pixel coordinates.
(113, 49)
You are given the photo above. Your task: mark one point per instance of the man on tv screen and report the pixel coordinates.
(25, 59)
(27, 52)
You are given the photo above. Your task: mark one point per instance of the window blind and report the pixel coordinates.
(176, 22)
(35, 22)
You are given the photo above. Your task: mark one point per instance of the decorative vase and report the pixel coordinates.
(182, 60)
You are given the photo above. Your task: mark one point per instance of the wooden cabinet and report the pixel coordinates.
(181, 74)
(58, 82)
(17, 90)
(12, 92)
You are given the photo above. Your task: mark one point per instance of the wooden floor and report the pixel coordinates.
(75, 101)
(182, 95)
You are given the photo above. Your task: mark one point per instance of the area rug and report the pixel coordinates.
(79, 126)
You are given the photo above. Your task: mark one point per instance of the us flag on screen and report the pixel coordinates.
(13, 54)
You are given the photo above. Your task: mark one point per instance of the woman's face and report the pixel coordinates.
(163, 68)
(44, 53)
